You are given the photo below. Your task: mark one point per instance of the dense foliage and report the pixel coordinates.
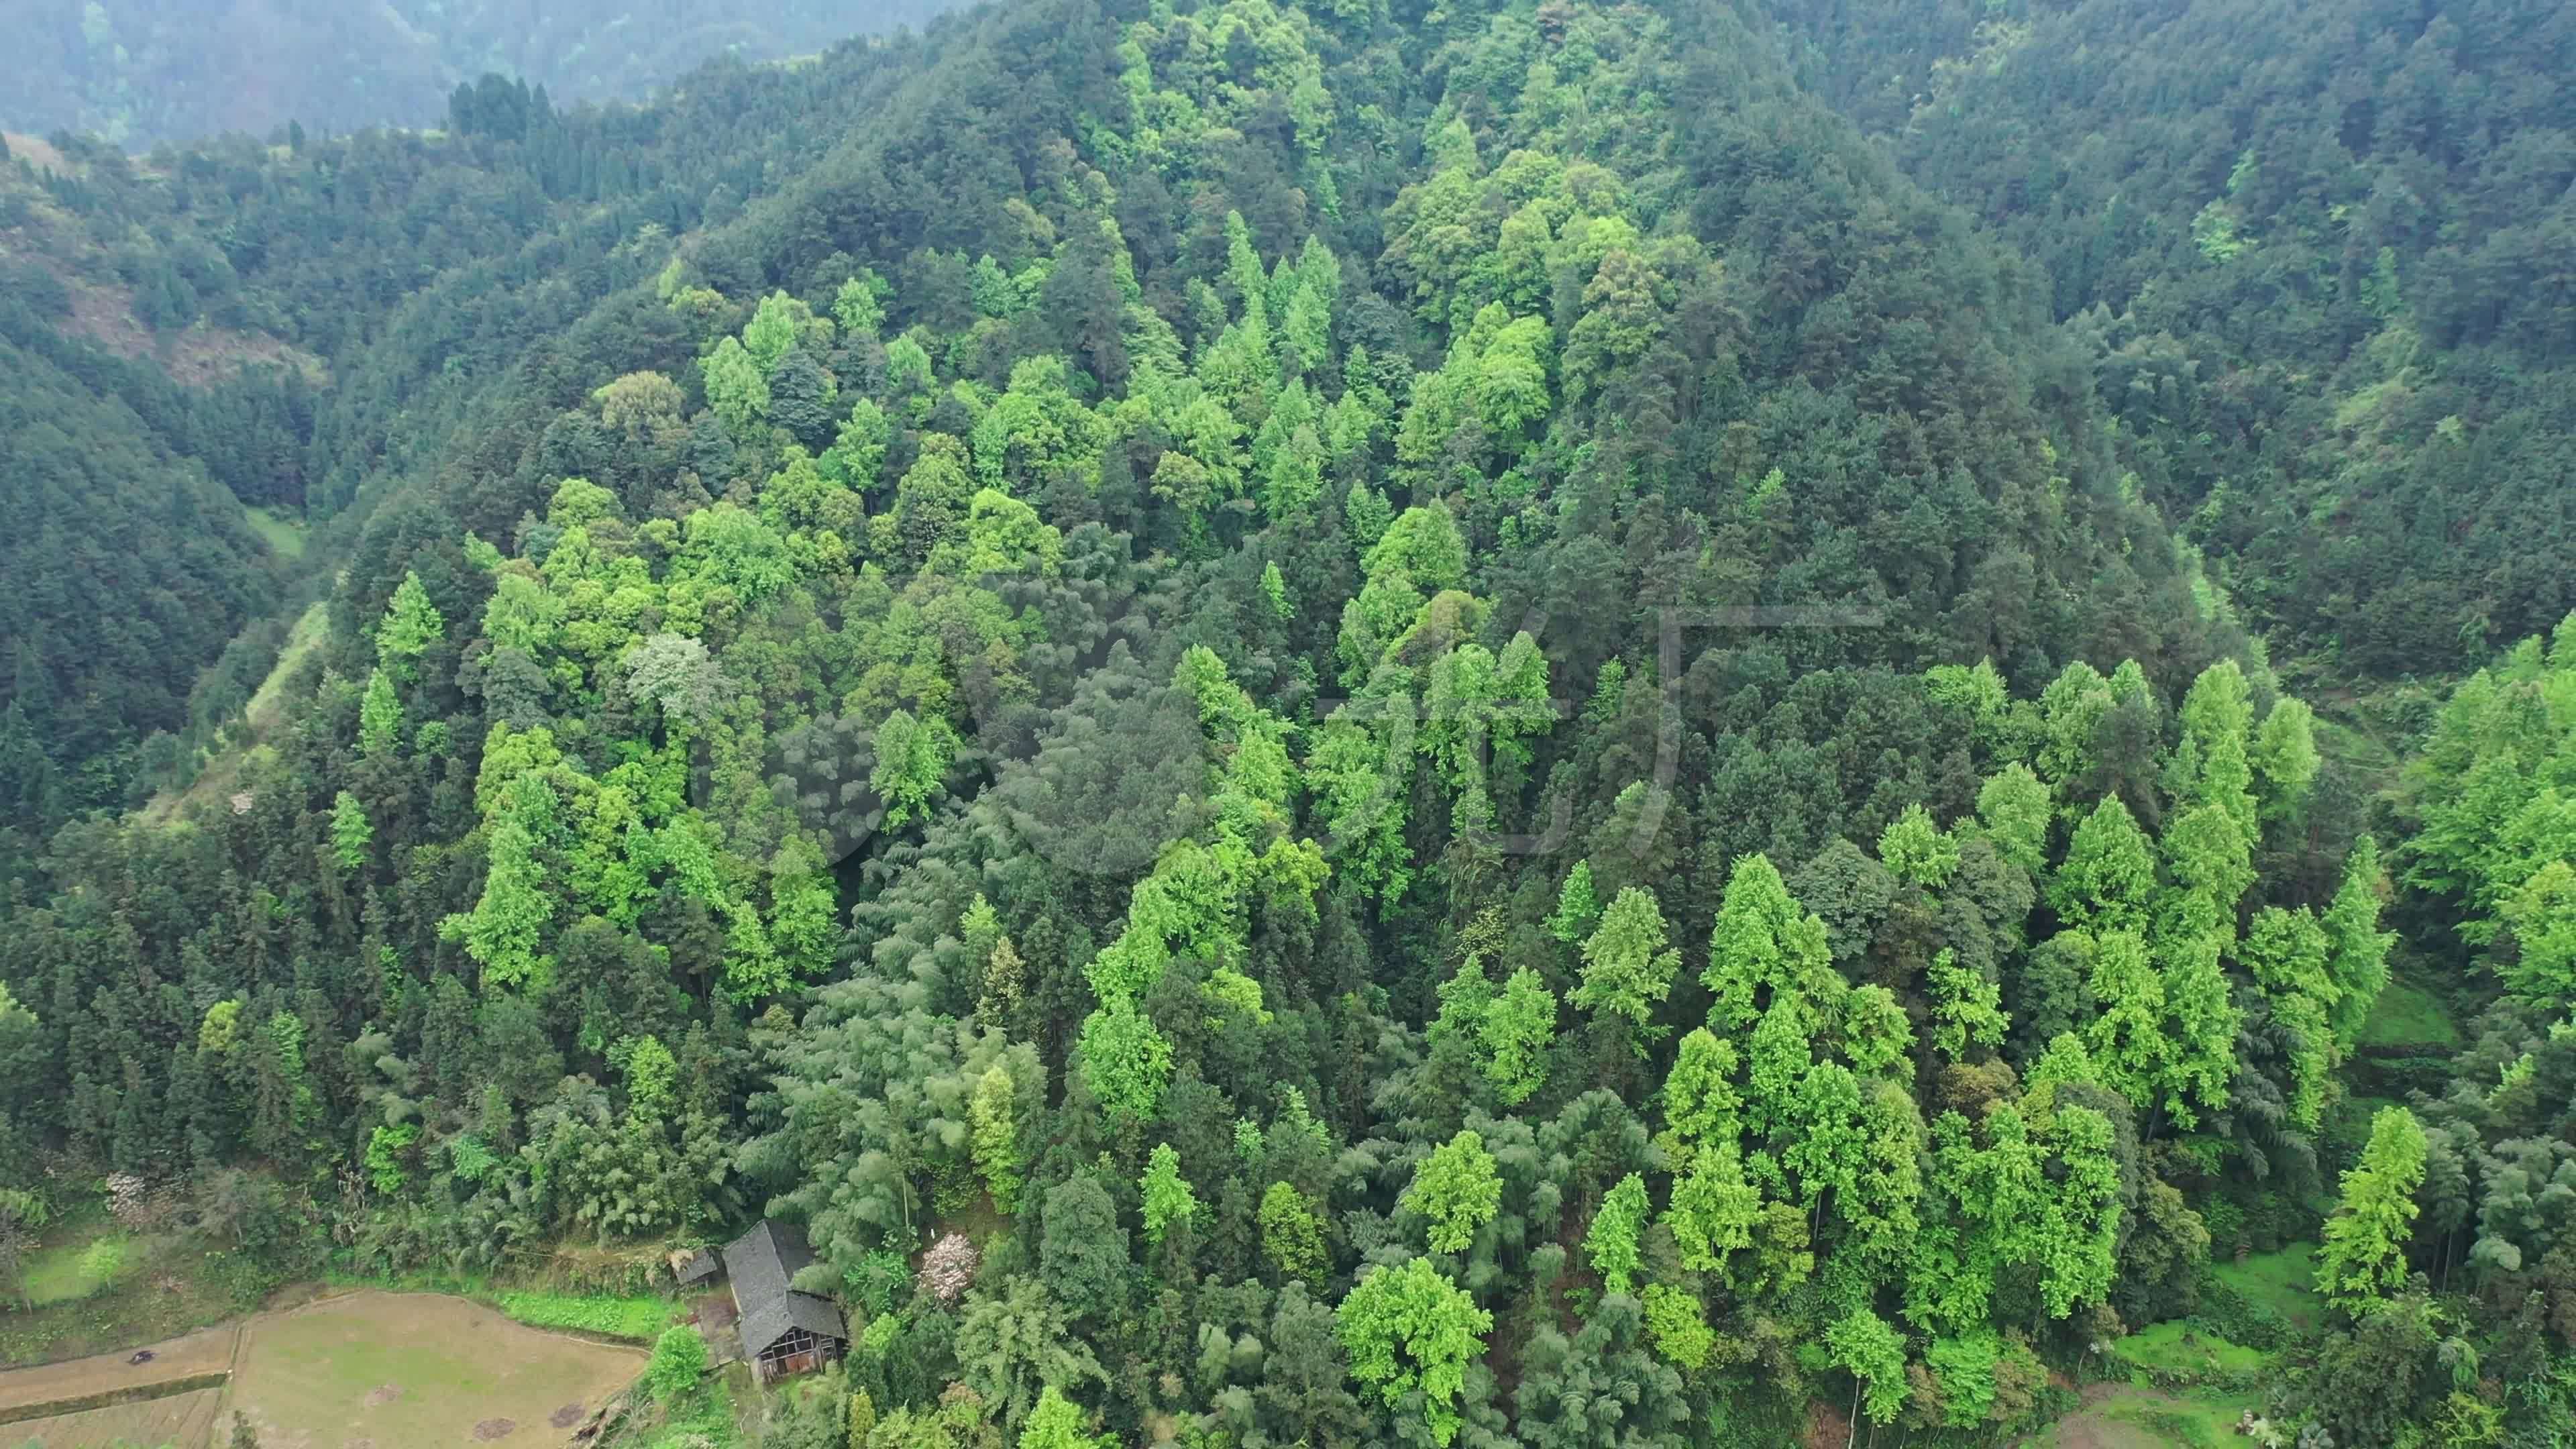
(1427, 728)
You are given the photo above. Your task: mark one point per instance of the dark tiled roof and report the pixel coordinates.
(762, 1263)
(699, 1266)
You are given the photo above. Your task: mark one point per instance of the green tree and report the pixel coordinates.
(1126, 1062)
(1678, 1323)
(1714, 1211)
(1627, 968)
(1917, 850)
(2013, 812)
(1701, 1109)
(2357, 950)
(737, 384)
(2285, 757)
(1410, 1328)
(1763, 945)
(1611, 1244)
(1457, 1190)
(380, 717)
(1167, 1195)
(993, 1118)
(410, 625)
(350, 832)
(1292, 1234)
(2108, 879)
(914, 756)
(1577, 908)
(2126, 1038)
(2362, 1254)
(679, 1361)
(1516, 1030)
(1967, 1008)
(1058, 1423)
(1862, 1344)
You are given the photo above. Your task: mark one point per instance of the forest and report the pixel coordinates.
(1346, 723)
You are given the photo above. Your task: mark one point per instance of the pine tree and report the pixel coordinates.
(2109, 876)
(1701, 1110)
(380, 717)
(2013, 812)
(1612, 1242)
(1967, 1009)
(1577, 908)
(411, 624)
(350, 832)
(1167, 1195)
(2363, 1253)
(1516, 1029)
(992, 1115)
(1292, 1234)
(2126, 1039)
(2357, 950)
(1627, 968)
(1762, 941)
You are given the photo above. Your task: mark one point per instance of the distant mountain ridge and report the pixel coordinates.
(141, 72)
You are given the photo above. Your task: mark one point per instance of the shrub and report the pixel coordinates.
(101, 1261)
(679, 1361)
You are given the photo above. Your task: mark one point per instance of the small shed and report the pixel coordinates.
(783, 1331)
(694, 1267)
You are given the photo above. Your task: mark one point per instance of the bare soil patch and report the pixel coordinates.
(181, 1421)
(414, 1371)
(209, 1350)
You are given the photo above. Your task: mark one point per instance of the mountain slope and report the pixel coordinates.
(2315, 254)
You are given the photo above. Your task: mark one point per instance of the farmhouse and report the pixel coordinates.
(783, 1331)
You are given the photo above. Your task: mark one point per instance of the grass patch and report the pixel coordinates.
(640, 1318)
(2282, 1281)
(167, 1286)
(2408, 1018)
(284, 535)
(74, 1271)
(222, 774)
(2176, 1352)
(2188, 1420)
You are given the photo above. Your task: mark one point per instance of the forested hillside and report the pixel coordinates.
(1319, 725)
(144, 72)
(2315, 257)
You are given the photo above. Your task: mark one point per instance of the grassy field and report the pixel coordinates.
(182, 1421)
(71, 1271)
(165, 1286)
(2407, 1017)
(415, 1371)
(284, 534)
(2119, 1416)
(2174, 1349)
(2283, 1281)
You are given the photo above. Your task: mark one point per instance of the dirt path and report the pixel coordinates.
(206, 1351)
